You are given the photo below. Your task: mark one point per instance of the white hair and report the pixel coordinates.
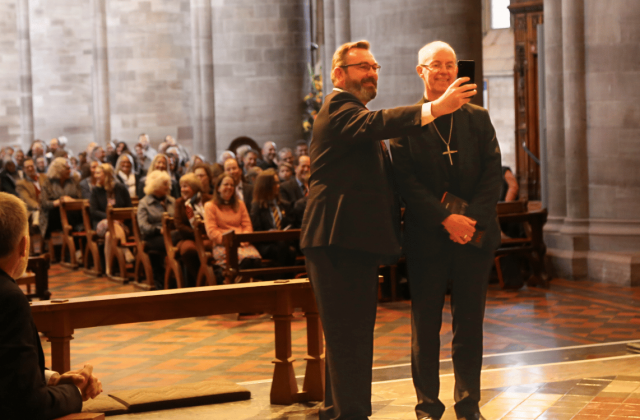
(428, 50)
(155, 180)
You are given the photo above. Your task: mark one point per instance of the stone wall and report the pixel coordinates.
(9, 76)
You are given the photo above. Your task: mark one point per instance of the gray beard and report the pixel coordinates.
(363, 94)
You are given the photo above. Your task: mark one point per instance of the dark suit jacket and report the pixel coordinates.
(422, 176)
(99, 201)
(247, 194)
(262, 219)
(23, 391)
(290, 191)
(351, 201)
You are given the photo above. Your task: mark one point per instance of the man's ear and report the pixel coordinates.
(23, 246)
(419, 70)
(338, 74)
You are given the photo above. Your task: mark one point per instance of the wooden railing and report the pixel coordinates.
(58, 321)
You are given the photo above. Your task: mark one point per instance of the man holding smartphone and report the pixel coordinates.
(457, 155)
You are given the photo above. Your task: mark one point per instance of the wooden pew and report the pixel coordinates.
(117, 255)
(92, 259)
(231, 241)
(533, 217)
(68, 235)
(173, 266)
(143, 262)
(205, 274)
(58, 322)
(37, 274)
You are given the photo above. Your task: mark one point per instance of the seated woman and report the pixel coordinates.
(125, 174)
(87, 184)
(226, 212)
(203, 172)
(189, 206)
(159, 163)
(150, 208)
(57, 187)
(108, 192)
(269, 212)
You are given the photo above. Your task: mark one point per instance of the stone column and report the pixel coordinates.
(26, 79)
(576, 223)
(554, 93)
(204, 135)
(329, 44)
(342, 10)
(100, 75)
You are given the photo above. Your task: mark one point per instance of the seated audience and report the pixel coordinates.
(203, 172)
(145, 142)
(252, 174)
(177, 165)
(296, 189)
(73, 163)
(27, 389)
(302, 148)
(216, 170)
(121, 149)
(57, 187)
(88, 183)
(184, 153)
(189, 206)
(193, 161)
(244, 191)
(268, 156)
(9, 176)
(41, 164)
(125, 174)
(285, 155)
(285, 171)
(37, 149)
(108, 192)
(225, 212)
(54, 145)
(249, 160)
(510, 187)
(269, 212)
(19, 158)
(150, 208)
(29, 190)
(159, 163)
(227, 154)
(241, 151)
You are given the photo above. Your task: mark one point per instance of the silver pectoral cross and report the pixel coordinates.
(449, 152)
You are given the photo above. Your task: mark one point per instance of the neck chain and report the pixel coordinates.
(449, 151)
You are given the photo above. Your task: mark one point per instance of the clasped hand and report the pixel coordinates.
(453, 98)
(460, 228)
(89, 385)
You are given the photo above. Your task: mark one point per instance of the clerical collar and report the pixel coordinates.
(339, 90)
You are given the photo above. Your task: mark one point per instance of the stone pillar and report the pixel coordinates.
(329, 44)
(397, 34)
(100, 75)
(576, 223)
(204, 135)
(26, 79)
(342, 10)
(554, 94)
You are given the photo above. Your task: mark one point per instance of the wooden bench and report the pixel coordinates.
(232, 241)
(117, 255)
(206, 274)
(533, 217)
(58, 322)
(143, 269)
(37, 274)
(68, 234)
(92, 258)
(173, 266)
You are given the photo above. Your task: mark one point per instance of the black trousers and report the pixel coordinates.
(467, 269)
(156, 250)
(345, 284)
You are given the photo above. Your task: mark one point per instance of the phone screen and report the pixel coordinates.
(467, 68)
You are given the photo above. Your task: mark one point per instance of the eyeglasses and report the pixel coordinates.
(365, 66)
(438, 66)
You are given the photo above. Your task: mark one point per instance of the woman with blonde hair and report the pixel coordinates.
(226, 212)
(126, 174)
(108, 192)
(150, 208)
(160, 162)
(58, 186)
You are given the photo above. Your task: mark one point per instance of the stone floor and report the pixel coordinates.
(557, 353)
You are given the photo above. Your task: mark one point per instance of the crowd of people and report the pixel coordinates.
(245, 190)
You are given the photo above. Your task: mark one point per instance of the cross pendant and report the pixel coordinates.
(449, 152)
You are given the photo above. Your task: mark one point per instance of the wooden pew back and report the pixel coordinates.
(68, 244)
(172, 261)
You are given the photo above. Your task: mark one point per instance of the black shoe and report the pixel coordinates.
(474, 416)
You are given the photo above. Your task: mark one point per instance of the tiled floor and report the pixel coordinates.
(526, 376)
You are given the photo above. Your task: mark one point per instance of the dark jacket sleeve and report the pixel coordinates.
(414, 194)
(23, 392)
(98, 205)
(123, 198)
(257, 218)
(183, 226)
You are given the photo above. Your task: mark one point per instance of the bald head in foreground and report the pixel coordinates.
(27, 390)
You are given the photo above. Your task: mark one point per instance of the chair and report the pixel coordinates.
(68, 235)
(143, 263)
(122, 215)
(531, 246)
(172, 260)
(206, 274)
(92, 257)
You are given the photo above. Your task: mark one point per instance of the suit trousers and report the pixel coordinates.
(345, 284)
(466, 270)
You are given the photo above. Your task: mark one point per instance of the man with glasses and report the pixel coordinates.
(351, 223)
(457, 154)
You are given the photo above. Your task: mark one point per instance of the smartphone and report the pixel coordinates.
(467, 68)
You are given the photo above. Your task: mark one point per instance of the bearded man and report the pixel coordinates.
(351, 223)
